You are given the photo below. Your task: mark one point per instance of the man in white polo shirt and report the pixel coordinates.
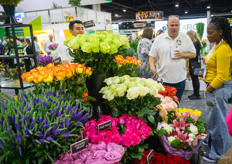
(170, 51)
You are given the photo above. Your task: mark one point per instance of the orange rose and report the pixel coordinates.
(37, 77)
(139, 62)
(49, 78)
(29, 79)
(60, 73)
(85, 95)
(88, 71)
(80, 68)
(25, 75)
(50, 65)
(69, 73)
(39, 68)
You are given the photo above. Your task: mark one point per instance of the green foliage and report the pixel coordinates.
(74, 2)
(55, 5)
(200, 29)
(134, 45)
(128, 52)
(10, 2)
(36, 128)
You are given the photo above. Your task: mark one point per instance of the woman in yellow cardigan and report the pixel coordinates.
(219, 87)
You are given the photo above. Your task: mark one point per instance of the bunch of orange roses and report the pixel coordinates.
(70, 77)
(127, 61)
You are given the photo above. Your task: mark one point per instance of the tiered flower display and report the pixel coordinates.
(129, 131)
(95, 153)
(97, 50)
(70, 77)
(36, 128)
(183, 133)
(132, 95)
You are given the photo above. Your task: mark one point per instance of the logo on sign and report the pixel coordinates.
(164, 28)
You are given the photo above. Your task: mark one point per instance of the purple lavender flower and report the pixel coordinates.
(67, 135)
(50, 139)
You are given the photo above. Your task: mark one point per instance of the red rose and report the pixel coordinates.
(159, 157)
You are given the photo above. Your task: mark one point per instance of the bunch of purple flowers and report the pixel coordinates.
(12, 73)
(53, 46)
(44, 124)
(44, 60)
(146, 73)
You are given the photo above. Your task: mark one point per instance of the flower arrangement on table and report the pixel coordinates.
(70, 77)
(183, 133)
(53, 47)
(44, 60)
(105, 153)
(161, 159)
(126, 66)
(97, 50)
(129, 131)
(9, 44)
(38, 127)
(12, 73)
(132, 95)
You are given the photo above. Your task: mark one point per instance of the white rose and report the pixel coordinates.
(170, 139)
(143, 91)
(104, 89)
(161, 87)
(132, 93)
(191, 135)
(109, 95)
(108, 81)
(121, 89)
(193, 129)
(116, 79)
(113, 87)
(153, 91)
(168, 128)
(124, 78)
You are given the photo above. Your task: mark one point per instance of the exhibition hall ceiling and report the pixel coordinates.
(126, 9)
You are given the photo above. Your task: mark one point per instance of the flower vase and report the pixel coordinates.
(94, 85)
(16, 83)
(10, 14)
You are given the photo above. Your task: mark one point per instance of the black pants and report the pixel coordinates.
(27, 64)
(195, 82)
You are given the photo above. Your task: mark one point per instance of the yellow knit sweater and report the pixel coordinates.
(219, 66)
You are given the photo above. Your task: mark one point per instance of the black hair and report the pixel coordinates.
(223, 24)
(71, 24)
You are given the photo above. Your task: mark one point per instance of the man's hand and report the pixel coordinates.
(186, 55)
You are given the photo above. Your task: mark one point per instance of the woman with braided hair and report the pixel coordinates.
(219, 87)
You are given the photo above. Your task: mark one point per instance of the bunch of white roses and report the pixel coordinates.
(133, 87)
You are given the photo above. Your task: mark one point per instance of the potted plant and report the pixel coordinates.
(9, 9)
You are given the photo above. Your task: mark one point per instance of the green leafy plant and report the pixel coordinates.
(36, 128)
(10, 2)
(55, 5)
(74, 2)
(200, 29)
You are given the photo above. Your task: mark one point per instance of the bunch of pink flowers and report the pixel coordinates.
(126, 130)
(100, 153)
(53, 46)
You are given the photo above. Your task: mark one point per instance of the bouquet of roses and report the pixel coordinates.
(105, 153)
(44, 60)
(183, 133)
(70, 77)
(129, 131)
(97, 50)
(53, 46)
(132, 95)
(126, 66)
(167, 105)
(161, 159)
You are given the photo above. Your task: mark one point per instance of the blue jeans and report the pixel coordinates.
(216, 105)
(179, 86)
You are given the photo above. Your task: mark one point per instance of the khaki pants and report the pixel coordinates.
(226, 158)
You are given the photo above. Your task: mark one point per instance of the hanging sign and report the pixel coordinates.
(88, 24)
(150, 15)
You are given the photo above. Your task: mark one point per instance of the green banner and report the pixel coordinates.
(109, 0)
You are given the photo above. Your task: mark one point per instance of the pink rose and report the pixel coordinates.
(113, 157)
(115, 147)
(135, 140)
(114, 122)
(129, 133)
(116, 139)
(145, 133)
(95, 138)
(99, 154)
(91, 123)
(122, 120)
(78, 161)
(138, 132)
(159, 96)
(107, 140)
(101, 145)
(130, 127)
(126, 140)
(108, 134)
(84, 154)
(114, 131)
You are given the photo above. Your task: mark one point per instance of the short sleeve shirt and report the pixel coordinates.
(169, 69)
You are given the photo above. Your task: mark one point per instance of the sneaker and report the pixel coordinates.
(194, 97)
(208, 159)
(204, 143)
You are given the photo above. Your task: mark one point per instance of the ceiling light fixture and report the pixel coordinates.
(208, 7)
(186, 12)
(212, 15)
(177, 5)
(116, 15)
(124, 10)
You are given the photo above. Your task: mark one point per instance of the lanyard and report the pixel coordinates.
(212, 51)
